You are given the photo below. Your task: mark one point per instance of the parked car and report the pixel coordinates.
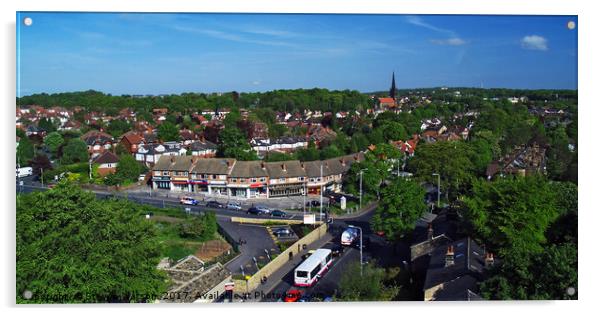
(234, 206)
(278, 213)
(263, 209)
(293, 296)
(281, 231)
(188, 201)
(255, 211)
(214, 204)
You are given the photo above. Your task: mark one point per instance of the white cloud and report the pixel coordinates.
(256, 82)
(418, 21)
(454, 41)
(534, 42)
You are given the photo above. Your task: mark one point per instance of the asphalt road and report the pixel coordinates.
(326, 286)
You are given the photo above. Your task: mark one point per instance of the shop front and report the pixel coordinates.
(280, 190)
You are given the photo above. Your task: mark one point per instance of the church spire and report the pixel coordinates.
(393, 90)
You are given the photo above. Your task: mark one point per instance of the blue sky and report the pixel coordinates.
(132, 53)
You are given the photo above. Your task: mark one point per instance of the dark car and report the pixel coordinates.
(278, 213)
(255, 211)
(215, 204)
(337, 250)
(281, 231)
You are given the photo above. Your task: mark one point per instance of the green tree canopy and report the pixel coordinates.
(53, 141)
(73, 248)
(511, 215)
(401, 205)
(233, 144)
(168, 131)
(24, 151)
(452, 160)
(118, 127)
(76, 150)
(368, 285)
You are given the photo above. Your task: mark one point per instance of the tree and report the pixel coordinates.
(128, 168)
(76, 150)
(401, 205)
(311, 153)
(452, 160)
(73, 248)
(40, 163)
(168, 131)
(368, 285)
(47, 125)
(202, 228)
(331, 151)
(233, 144)
(393, 131)
(511, 215)
(24, 151)
(53, 141)
(544, 276)
(118, 127)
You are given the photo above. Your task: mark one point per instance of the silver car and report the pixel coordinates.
(234, 206)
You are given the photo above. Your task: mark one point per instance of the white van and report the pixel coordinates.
(24, 172)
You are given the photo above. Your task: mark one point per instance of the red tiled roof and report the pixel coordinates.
(133, 138)
(386, 100)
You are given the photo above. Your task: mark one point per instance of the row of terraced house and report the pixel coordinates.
(250, 179)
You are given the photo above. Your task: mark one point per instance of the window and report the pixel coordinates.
(234, 180)
(253, 180)
(282, 179)
(262, 179)
(301, 178)
(166, 173)
(302, 274)
(315, 271)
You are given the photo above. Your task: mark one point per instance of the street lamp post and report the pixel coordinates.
(361, 182)
(361, 249)
(438, 189)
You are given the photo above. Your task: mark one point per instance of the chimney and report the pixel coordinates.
(172, 159)
(429, 232)
(262, 165)
(489, 259)
(228, 163)
(283, 166)
(342, 161)
(356, 157)
(303, 166)
(449, 256)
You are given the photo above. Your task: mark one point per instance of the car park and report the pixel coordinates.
(234, 206)
(214, 204)
(278, 213)
(188, 201)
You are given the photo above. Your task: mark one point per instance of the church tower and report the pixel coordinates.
(393, 90)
